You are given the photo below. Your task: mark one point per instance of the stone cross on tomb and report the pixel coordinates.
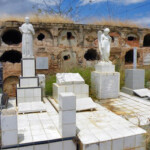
(134, 57)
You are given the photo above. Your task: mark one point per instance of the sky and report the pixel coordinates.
(136, 10)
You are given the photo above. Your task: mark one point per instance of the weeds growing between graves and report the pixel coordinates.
(50, 79)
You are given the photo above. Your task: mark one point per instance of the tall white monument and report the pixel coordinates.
(28, 32)
(29, 92)
(134, 78)
(105, 81)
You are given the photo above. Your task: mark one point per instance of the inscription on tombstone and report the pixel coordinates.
(42, 63)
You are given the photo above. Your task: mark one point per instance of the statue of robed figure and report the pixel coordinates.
(28, 32)
(104, 41)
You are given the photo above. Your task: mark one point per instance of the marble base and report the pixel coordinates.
(134, 79)
(28, 82)
(80, 90)
(31, 107)
(105, 67)
(29, 95)
(105, 85)
(28, 67)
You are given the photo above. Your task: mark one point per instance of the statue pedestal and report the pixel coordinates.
(134, 79)
(28, 89)
(105, 81)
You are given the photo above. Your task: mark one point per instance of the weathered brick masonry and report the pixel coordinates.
(67, 45)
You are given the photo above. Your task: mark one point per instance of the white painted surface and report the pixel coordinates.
(30, 107)
(105, 67)
(28, 67)
(80, 90)
(42, 82)
(69, 78)
(105, 85)
(29, 82)
(142, 92)
(28, 95)
(67, 101)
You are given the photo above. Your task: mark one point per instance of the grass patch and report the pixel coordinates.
(50, 79)
(36, 18)
(116, 22)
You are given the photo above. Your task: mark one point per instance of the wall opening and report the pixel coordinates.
(66, 57)
(91, 55)
(69, 35)
(41, 37)
(146, 40)
(11, 37)
(132, 38)
(10, 85)
(12, 56)
(129, 57)
(113, 39)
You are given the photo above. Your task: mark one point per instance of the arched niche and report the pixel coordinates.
(12, 56)
(91, 55)
(146, 42)
(9, 85)
(129, 57)
(67, 38)
(11, 37)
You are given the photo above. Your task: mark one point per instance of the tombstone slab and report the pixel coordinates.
(42, 63)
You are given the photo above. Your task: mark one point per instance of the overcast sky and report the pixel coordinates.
(135, 10)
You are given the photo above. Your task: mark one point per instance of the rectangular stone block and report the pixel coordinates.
(69, 78)
(29, 94)
(105, 67)
(9, 137)
(42, 63)
(28, 67)
(134, 78)
(8, 120)
(42, 82)
(69, 145)
(105, 85)
(67, 101)
(29, 82)
(56, 146)
(67, 117)
(67, 130)
(80, 90)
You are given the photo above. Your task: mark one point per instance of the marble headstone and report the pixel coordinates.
(42, 63)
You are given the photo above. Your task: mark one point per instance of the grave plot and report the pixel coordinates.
(73, 82)
(102, 129)
(29, 92)
(35, 130)
(132, 108)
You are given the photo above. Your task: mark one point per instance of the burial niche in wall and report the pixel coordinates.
(129, 57)
(91, 55)
(12, 37)
(68, 59)
(12, 56)
(146, 42)
(67, 38)
(41, 37)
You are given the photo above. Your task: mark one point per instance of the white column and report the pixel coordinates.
(134, 58)
(67, 114)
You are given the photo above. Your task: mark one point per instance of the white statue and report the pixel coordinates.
(104, 41)
(27, 31)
